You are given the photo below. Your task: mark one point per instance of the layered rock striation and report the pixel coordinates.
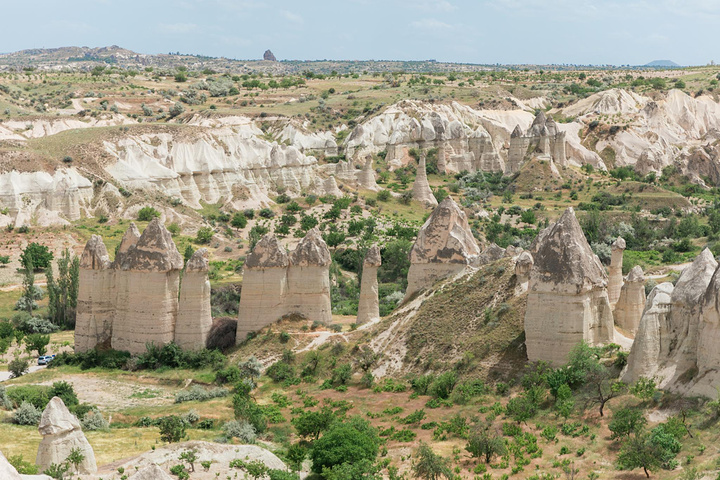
(61, 434)
(567, 294)
(369, 305)
(276, 284)
(444, 247)
(134, 301)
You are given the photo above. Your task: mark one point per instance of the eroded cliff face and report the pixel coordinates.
(567, 294)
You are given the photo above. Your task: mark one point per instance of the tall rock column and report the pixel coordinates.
(194, 318)
(615, 281)
(629, 307)
(567, 300)
(264, 287)
(421, 188)
(150, 273)
(309, 279)
(96, 297)
(369, 306)
(61, 434)
(523, 267)
(444, 247)
(366, 177)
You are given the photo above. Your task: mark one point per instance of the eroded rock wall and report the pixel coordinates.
(194, 318)
(369, 305)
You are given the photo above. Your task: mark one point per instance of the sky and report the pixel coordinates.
(616, 32)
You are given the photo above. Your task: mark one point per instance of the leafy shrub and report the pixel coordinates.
(199, 394)
(94, 420)
(37, 325)
(280, 371)
(146, 214)
(172, 429)
(204, 235)
(27, 414)
(443, 385)
(241, 430)
(18, 367)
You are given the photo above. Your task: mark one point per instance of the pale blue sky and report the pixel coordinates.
(481, 31)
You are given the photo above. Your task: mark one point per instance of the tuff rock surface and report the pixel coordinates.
(194, 318)
(615, 280)
(421, 188)
(629, 307)
(566, 277)
(276, 284)
(369, 305)
(7, 471)
(523, 267)
(444, 246)
(61, 433)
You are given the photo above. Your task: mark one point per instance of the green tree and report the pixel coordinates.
(172, 429)
(311, 424)
(62, 294)
(18, 367)
(37, 342)
(649, 451)
(428, 465)
(347, 442)
(484, 442)
(239, 221)
(204, 235)
(29, 282)
(626, 421)
(40, 254)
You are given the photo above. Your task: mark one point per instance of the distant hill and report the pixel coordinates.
(662, 63)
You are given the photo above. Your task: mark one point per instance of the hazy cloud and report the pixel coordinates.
(291, 17)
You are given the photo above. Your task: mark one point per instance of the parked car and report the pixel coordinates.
(45, 359)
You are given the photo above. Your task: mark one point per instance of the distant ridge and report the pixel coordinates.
(662, 63)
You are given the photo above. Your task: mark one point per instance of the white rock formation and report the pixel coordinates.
(421, 191)
(523, 267)
(644, 358)
(330, 187)
(96, 297)
(150, 275)
(444, 246)
(151, 472)
(309, 279)
(61, 433)
(7, 471)
(194, 318)
(369, 306)
(366, 177)
(567, 300)
(264, 287)
(615, 276)
(631, 304)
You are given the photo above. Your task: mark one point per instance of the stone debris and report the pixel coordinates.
(421, 188)
(615, 280)
(61, 434)
(277, 285)
(134, 300)
(567, 300)
(631, 303)
(369, 305)
(444, 247)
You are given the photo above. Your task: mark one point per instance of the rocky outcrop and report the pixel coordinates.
(523, 267)
(543, 137)
(681, 350)
(268, 55)
(366, 177)
(492, 253)
(7, 471)
(566, 277)
(276, 284)
(96, 297)
(444, 247)
(150, 277)
(151, 472)
(421, 188)
(61, 433)
(309, 279)
(330, 187)
(644, 358)
(629, 307)
(134, 301)
(368, 305)
(615, 280)
(194, 318)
